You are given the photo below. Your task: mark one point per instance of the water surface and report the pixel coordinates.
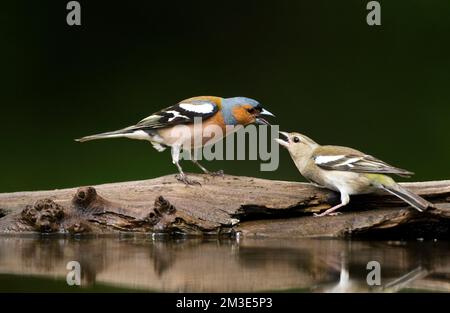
(194, 265)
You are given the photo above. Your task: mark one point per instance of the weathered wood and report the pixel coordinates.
(221, 206)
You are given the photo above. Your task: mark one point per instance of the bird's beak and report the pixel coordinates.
(265, 112)
(262, 121)
(283, 140)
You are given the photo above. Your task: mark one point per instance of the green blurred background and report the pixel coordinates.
(316, 64)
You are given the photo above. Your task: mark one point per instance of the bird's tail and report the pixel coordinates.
(125, 132)
(409, 197)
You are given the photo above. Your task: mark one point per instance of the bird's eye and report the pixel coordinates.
(296, 139)
(251, 110)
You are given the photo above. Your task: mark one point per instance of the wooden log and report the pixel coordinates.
(221, 206)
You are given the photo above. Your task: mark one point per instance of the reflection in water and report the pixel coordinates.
(195, 265)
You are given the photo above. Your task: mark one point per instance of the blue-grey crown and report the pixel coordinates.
(241, 100)
(229, 103)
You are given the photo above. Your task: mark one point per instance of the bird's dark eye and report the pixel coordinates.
(296, 139)
(251, 110)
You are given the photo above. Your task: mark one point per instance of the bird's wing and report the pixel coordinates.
(346, 159)
(181, 113)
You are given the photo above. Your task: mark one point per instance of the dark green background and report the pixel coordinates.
(316, 64)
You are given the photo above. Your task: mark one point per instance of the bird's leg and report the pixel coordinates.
(330, 212)
(206, 171)
(181, 176)
(345, 199)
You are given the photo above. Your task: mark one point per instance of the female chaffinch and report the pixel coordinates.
(159, 128)
(346, 170)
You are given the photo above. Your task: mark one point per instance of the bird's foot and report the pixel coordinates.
(327, 214)
(184, 179)
(217, 174)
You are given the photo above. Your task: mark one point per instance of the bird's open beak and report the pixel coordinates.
(283, 140)
(262, 121)
(265, 112)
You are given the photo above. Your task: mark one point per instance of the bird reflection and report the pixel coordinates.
(201, 265)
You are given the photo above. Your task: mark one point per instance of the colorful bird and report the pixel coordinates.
(174, 126)
(346, 170)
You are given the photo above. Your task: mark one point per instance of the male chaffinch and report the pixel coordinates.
(159, 128)
(346, 170)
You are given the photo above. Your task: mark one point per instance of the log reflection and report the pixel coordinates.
(228, 265)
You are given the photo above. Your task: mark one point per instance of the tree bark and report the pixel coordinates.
(222, 206)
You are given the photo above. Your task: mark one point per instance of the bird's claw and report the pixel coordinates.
(217, 174)
(326, 214)
(184, 179)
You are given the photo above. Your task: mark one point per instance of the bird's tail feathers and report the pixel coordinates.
(409, 197)
(114, 134)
